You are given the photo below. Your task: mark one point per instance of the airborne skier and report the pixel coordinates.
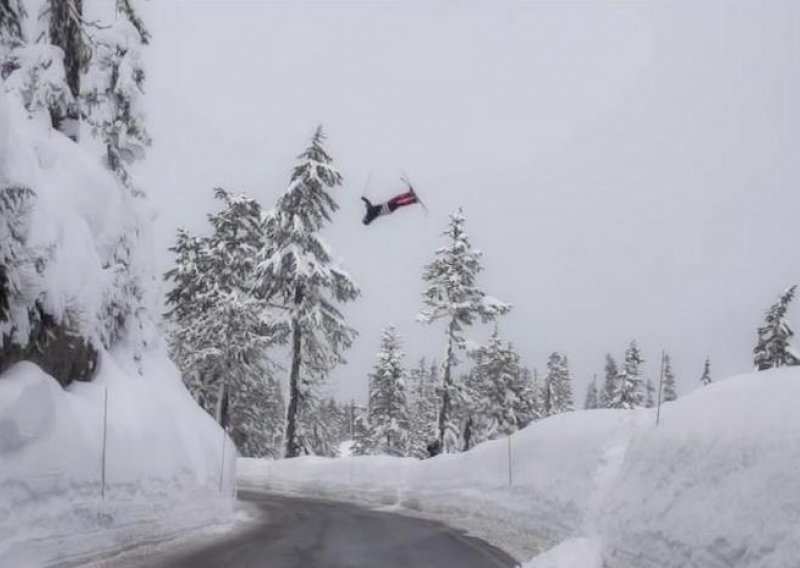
(401, 200)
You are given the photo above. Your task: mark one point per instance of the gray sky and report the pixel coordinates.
(628, 169)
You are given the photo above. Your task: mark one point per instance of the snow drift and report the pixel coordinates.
(167, 466)
(714, 485)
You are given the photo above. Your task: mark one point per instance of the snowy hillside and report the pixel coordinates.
(714, 485)
(74, 251)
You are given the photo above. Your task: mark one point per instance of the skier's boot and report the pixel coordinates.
(372, 211)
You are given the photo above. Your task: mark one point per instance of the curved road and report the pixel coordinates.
(309, 533)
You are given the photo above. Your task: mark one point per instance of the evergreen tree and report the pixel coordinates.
(388, 408)
(35, 73)
(650, 401)
(452, 295)
(256, 417)
(296, 270)
(273, 417)
(591, 395)
(534, 395)
(630, 392)
(221, 326)
(498, 387)
(670, 386)
(317, 436)
(113, 88)
(334, 418)
(46, 77)
(423, 406)
(127, 8)
(362, 443)
(348, 423)
(774, 348)
(531, 407)
(20, 285)
(706, 378)
(11, 15)
(609, 392)
(557, 386)
(66, 30)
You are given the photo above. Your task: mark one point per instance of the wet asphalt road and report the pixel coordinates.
(310, 533)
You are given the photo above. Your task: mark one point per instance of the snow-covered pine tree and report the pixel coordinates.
(273, 418)
(346, 423)
(221, 326)
(11, 15)
(35, 73)
(10, 34)
(591, 401)
(297, 271)
(423, 406)
(113, 89)
(468, 405)
(362, 444)
(18, 273)
(45, 76)
(499, 389)
(111, 104)
(650, 400)
(238, 319)
(388, 407)
(609, 392)
(774, 347)
(706, 377)
(66, 30)
(414, 398)
(127, 8)
(533, 394)
(670, 387)
(186, 301)
(452, 295)
(630, 392)
(256, 417)
(530, 410)
(317, 434)
(557, 391)
(334, 417)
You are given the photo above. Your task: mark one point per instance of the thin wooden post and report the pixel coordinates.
(660, 387)
(105, 445)
(222, 460)
(509, 462)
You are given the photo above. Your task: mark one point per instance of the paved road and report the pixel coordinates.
(309, 533)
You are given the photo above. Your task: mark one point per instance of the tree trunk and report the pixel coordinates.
(66, 33)
(447, 383)
(468, 434)
(222, 403)
(292, 447)
(548, 401)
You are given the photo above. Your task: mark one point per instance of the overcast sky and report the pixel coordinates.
(630, 170)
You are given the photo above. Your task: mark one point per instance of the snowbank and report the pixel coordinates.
(557, 467)
(165, 467)
(165, 471)
(715, 485)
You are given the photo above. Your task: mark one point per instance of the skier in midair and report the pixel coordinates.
(375, 211)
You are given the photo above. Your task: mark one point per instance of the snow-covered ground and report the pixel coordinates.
(715, 485)
(166, 470)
